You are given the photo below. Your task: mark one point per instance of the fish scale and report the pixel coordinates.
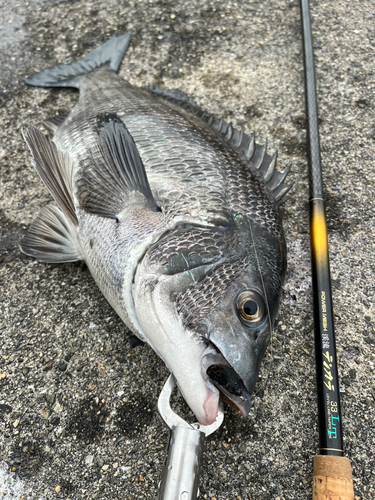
(193, 242)
(195, 302)
(171, 143)
(176, 214)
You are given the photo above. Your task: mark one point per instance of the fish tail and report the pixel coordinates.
(109, 53)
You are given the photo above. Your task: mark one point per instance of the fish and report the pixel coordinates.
(176, 214)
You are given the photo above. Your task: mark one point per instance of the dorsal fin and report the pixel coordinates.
(53, 168)
(255, 155)
(104, 189)
(174, 96)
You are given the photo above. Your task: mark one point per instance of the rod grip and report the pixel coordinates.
(332, 478)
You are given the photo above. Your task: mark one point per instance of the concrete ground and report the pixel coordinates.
(78, 396)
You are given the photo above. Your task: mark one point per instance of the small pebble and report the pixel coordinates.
(57, 407)
(50, 398)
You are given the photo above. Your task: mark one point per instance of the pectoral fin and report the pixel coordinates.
(118, 177)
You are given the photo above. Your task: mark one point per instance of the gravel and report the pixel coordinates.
(78, 394)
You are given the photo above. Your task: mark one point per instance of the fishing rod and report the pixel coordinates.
(332, 477)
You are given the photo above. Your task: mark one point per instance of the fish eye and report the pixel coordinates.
(250, 307)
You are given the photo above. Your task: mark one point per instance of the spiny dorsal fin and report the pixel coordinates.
(256, 156)
(51, 238)
(53, 123)
(104, 190)
(53, 168)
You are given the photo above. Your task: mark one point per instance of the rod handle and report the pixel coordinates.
(332, 479)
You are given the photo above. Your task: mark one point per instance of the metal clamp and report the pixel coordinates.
(180, 476)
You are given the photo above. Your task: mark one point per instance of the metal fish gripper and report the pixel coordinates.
(180, 476)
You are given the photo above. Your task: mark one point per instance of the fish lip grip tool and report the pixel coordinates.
(180, 476)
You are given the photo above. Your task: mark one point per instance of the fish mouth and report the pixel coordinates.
(222, 375)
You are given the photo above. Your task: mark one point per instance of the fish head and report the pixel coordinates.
(206, 299)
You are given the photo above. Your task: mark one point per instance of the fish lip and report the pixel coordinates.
(213, 360)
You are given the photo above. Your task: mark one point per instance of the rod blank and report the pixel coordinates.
(332, 472)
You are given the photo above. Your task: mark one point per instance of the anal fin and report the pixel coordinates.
(51, 238)
(54, 169)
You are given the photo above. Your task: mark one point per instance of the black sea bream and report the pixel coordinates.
(175, 214)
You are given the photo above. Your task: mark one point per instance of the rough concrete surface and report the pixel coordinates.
(78, 396)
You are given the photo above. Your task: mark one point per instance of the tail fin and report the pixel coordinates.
(65, 75)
